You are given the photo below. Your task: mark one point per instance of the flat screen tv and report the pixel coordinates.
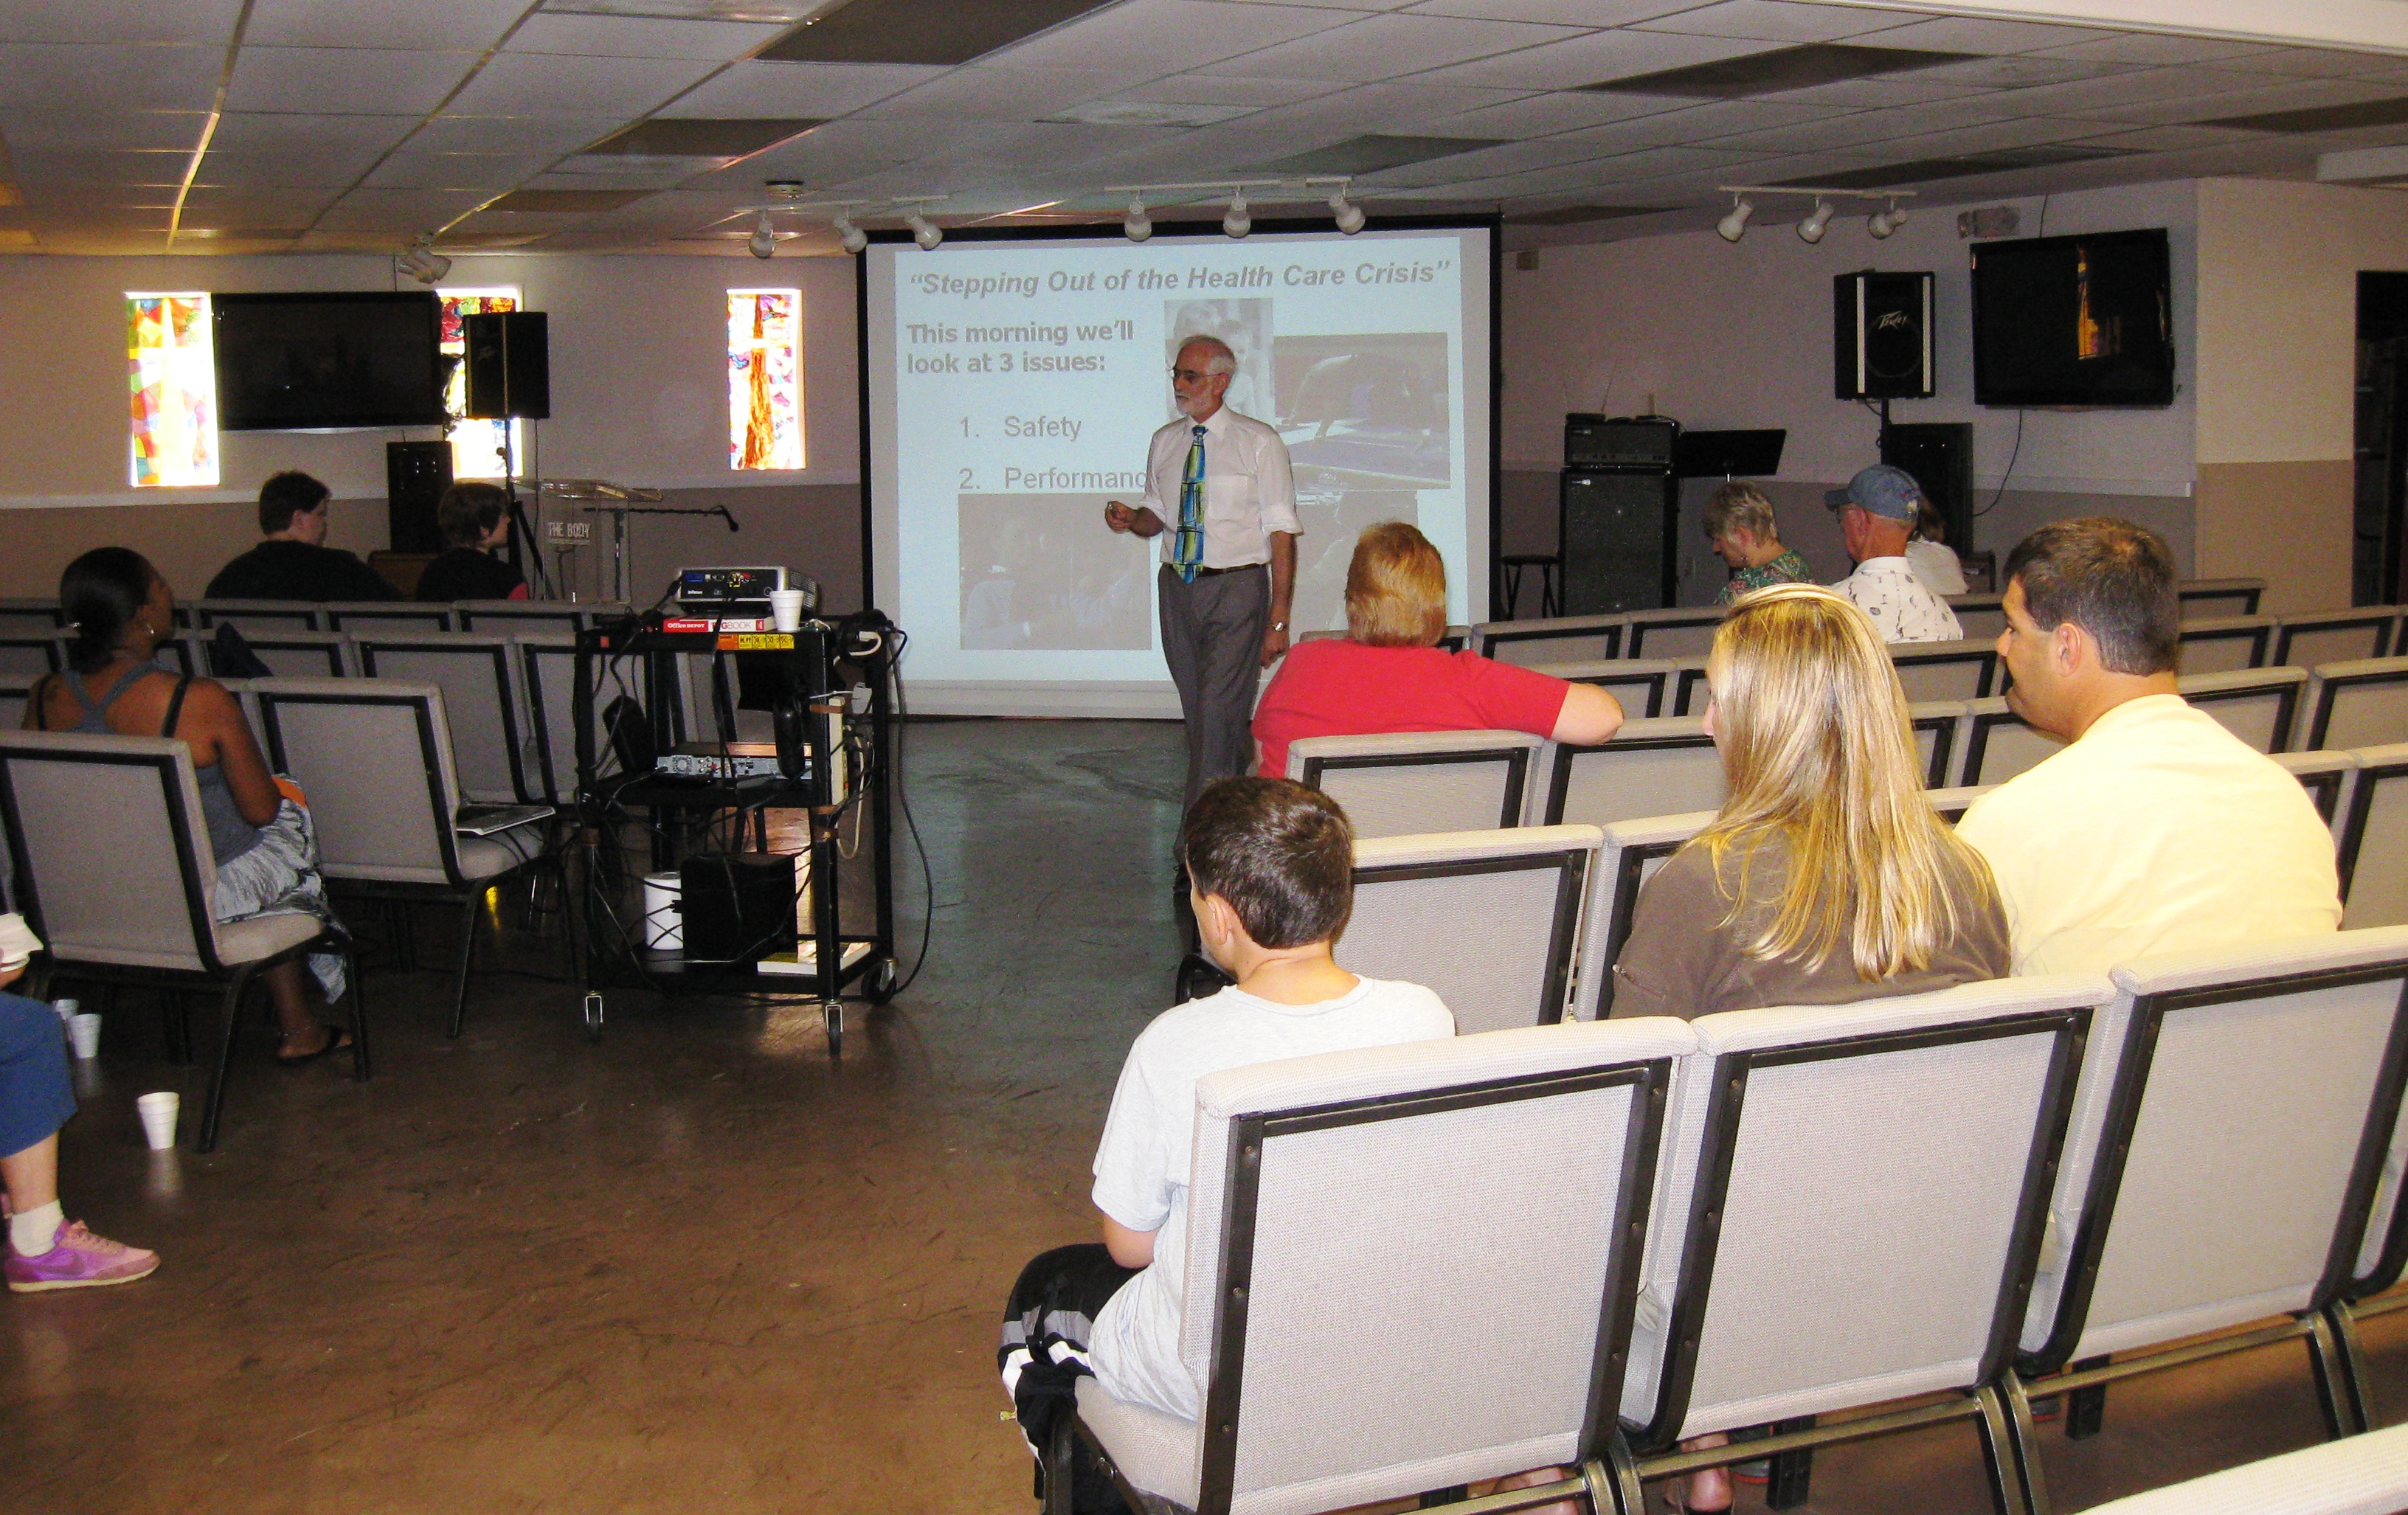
(322, 362)
(2073, 320)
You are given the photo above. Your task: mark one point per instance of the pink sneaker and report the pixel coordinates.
(78, 1260)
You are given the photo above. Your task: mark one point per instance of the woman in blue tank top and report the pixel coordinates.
(266, 854)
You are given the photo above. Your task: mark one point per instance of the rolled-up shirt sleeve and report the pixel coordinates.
(1275, 488)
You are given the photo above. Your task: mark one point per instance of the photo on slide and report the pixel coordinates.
(1246, 326)
(1373, 407)
(1042, 573)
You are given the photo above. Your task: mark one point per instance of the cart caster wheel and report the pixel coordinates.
(834, 1013)
(592, 1017)
(882, 981)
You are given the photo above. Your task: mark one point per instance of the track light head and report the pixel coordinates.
(764, 240)
(422, 262)
(1896, 215)
(1238, 222)
(1137, 227)
(1734, 224)
(1878, 225)
(924, 232)
(1812, 228)
(1350, 215)
(851, 238)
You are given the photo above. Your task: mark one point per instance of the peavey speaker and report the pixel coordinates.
(1881, 337)
(509, 365)
(1615, 533)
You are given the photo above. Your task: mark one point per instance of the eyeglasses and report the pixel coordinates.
(1189, 375)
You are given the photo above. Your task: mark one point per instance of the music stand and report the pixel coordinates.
(1733, 454)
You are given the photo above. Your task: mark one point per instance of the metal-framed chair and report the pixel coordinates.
(1641, 685)
(1651, 768)
(2220, 596)
(1626, 859)
(1980, 615)
(1952, 803)
(1935, 724)
(1997, 745)
(257, 616)
(2260, 705)
(1392, 1180)
(519, 617)
(1905, 1145)
(1690, 690)
(2235, 1110)
(2225, 644)
(1960, 670)
(288, 654)
(1490, 921)
(18, 616)
(2373, 834)
(29, 654)
(2325, 776)
(2303, 642)
(112, 869)
(1408, 783)
(2361, 1475)
(1683, 632)
(1554, 639)
(480, 701)
(385, 827)
(377, 618)
(2359, 704)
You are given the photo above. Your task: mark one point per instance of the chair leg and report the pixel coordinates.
(360, 1065)
(2336, 1385)
(1998, 1455)
(467, 958)
(2353, 1362)
(1630, 1496)
(216, 1100)
(1793, 1472)
(2026, 1445)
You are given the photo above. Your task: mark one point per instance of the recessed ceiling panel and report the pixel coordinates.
(636, 36)
(1783, 68)
(675, 137)
(1543, 115)
(346, 80)
(38, 163)
(920, 31)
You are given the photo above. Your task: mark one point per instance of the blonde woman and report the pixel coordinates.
(1388, 674)
(1827, 876)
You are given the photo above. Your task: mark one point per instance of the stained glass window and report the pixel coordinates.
(476, 445)
(764, 379)
(171, 376)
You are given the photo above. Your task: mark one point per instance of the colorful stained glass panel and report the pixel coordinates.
(764, 379)
(171, 373)
(477, 445)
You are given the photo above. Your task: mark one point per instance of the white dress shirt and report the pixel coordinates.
(1901, 608)
(2158, 832)
(1937, 565)
(1248, 492)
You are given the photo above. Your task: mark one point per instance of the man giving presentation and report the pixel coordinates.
(1219, 493)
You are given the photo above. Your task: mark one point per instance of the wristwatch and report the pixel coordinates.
(1279, 625)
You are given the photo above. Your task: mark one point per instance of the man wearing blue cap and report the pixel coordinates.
(1877, 514)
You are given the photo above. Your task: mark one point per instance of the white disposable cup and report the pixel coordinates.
(786, 609)
(66, 1008)
(83, 1028)
(159, 1119)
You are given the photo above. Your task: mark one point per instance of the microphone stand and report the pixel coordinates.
(521, 529)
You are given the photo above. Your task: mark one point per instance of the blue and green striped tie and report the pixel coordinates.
(1187, 554)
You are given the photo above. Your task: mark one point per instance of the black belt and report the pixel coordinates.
(1210, 573)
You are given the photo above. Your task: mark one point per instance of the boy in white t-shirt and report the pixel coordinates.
(1271, 868)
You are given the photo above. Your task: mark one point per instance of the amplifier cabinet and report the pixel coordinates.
(1618, 552)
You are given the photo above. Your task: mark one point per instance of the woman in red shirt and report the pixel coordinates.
(1388, 674)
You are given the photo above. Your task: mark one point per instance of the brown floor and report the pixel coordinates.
(700, 1266)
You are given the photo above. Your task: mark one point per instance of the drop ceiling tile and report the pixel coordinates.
(544, 84)
(352, 80)
(1384, 47)
(1961, 34)
(2259, 97)
(265, 131)
(2084, 96)
(414, 209)
(97, 77)
(1484, 162)
(66, 165)
(2022, 72)
(208, 22)
(822, 90)
(1995, 138)
(551, 135)
(1216, 90)
(1695, 123)
(452, 25)
(1887, 91)
(2317, 63)
(1163, 36)
(332, 164)
(159, 129)
(2175, 138)
(1559, 12)
(1861, 128)
(1543, 115)
(412, 171)
(1777, 20)
(638, 36)
(983, 93)
(1629, 166)
(1594, 58)
(2156, 48)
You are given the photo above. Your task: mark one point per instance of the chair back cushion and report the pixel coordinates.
(1960, 670)
(1685, 633)
(1557, 639)
(1484, 1190)
(2260, 705)
(2222, 644)
(1850, 1196)
(111, 855)
(1643, 686)
(2335, 635)
(1407, 783)
(1490, 921)
(2361, 703)
(478, 700)
(374, 756)
(1996, 745)
(1651, 768)
(2373, 831)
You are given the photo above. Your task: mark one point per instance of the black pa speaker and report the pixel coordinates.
(1940, 455)
(1616, 548)
(1881, 337)
(416, 474)
(509, 365)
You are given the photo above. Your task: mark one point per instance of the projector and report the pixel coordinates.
(723, 594)
(722, 761)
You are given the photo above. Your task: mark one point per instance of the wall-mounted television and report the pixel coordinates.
(2073, 320)
(326, 360)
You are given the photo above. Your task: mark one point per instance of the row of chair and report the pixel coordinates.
(102, 828)
(1581, 1245)
(24, 617)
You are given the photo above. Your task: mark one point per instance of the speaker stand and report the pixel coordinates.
(521, 529)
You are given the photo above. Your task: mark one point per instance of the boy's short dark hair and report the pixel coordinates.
(469, 510)
(1283, 855)
(2115, 580)
(285, 494)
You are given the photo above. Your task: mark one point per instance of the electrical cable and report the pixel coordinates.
(902, 796)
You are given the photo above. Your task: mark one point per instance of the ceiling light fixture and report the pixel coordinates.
(1734, 226)
(1238, 222)
(422, 262)
(924, 232)
(851, 238)
(1349, 214)
(1137, 225)
(1811, 229)
(764, 240)
(1879, 224)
